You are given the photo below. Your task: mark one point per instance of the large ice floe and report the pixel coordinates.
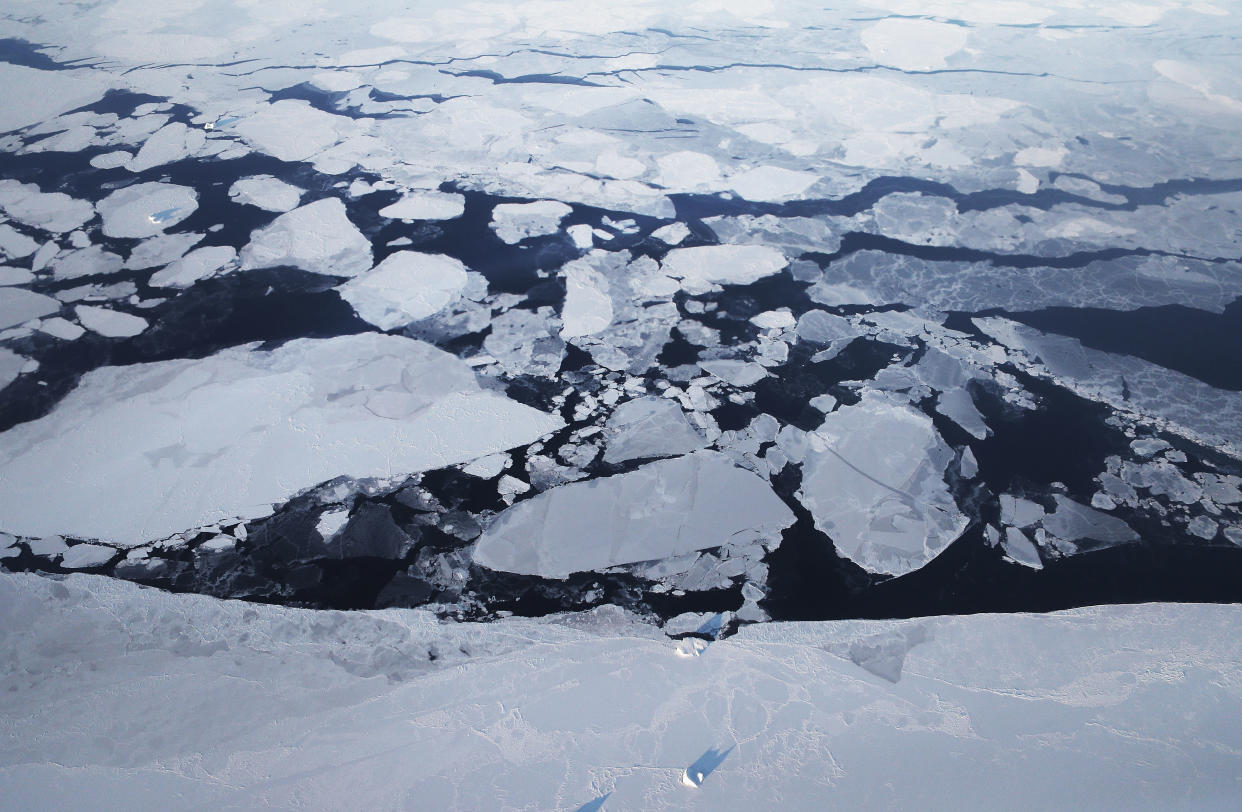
(874, 479)
(160, 448)
(659, 510)
(221, 703)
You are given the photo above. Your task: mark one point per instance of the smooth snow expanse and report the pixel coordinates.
(156, 449)
(123, 698)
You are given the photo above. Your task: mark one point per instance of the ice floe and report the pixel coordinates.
(270, 423)
(662, 509)
(698, 269)
(266, 192)
(146, 209)
(52, 211)
(405, 287)
(649, 427)
(514, 222)
(18, 305)
(198, 264)
(108, 322)
(873, 480)
(426, 205)
(317, 237)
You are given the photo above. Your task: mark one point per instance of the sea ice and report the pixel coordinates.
(108, 322)
(514, 222)
(18, 305)
(701, 267)
(51, 211)
(317, 237)
(266, 192)
(426, 205)
(173, 142)
(736, 373)
(198, 264)
(588, 307)
(662, 509)
(85, 556)
(649, 427)
(405, 287)
(270, 423)
(874, 482)
(146, 209)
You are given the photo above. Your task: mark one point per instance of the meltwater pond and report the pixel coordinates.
(708, 315)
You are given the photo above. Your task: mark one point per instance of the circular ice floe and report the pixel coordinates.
(146, 209)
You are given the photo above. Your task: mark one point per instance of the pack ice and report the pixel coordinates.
(155, 449)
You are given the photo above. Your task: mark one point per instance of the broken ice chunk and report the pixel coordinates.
(672, 234)
(588, 307)
(1021, 549)
(405, 287)
(426, 205)
(51, 211)
(957, 405)
(514, 222)
(736, 373)
(317, 237)
(86, 556)
(700, 268)
(1072, 521)
(198, 264)
(874, 482)
(266, 192)
(649, 427)
(18, 305)
(110, 323)
(661, 509)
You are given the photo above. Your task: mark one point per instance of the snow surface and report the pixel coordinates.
(659, 510)
(317, 237)
(270, 424)
(405, 287)
(198, 702)
(874, 482)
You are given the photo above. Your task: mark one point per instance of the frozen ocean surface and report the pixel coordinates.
(648, 388)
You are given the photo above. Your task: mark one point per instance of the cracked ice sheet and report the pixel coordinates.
(874, 482)
(160, 448)
(660, 510)
(1128, 701)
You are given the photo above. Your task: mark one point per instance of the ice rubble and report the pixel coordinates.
(163, 447)
(662, 509)
(146, 209)
(317, 237)
(406, 286)
(873, 480)
(438, 710)
(266, 192)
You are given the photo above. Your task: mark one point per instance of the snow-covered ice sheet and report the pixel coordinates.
(192, 701)
(160, 448)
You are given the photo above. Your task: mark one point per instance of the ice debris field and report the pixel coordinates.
(610, 404)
